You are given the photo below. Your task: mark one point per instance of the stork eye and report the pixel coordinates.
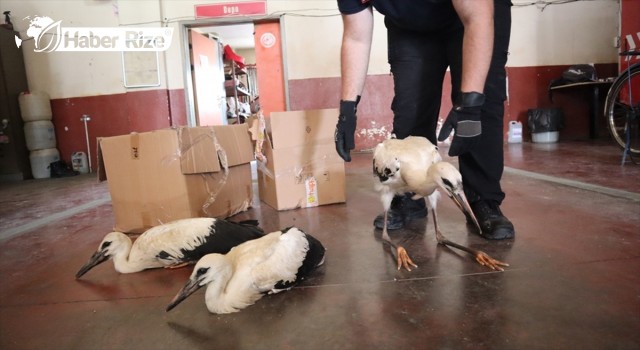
(202, 271)
(447, 183)
(105, 245)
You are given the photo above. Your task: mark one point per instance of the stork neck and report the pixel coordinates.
(216, 296)
(121, 260)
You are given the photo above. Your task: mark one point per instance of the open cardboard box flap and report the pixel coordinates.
(200, 149)
(299, 128)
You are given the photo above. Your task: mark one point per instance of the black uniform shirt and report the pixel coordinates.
(418, 15)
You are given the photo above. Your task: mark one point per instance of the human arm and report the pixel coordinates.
(356, 48)
(354, 60)
(477, 44)
(477, 49)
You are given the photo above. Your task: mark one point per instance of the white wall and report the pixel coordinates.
(578, 32)
(68, 74)
(563, 34)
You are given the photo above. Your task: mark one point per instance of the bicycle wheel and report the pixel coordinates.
(622, 109)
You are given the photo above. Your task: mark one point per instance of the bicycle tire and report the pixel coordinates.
(620, 114)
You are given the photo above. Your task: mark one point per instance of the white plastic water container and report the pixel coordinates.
(515, 132)
(40, 161)
(79, 162)
(35, 106)
(40, 135)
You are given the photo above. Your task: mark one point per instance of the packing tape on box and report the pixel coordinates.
(257, 130)
(222, 156)
(298, 171)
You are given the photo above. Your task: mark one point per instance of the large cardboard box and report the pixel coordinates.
(302, 167)
(169, 174)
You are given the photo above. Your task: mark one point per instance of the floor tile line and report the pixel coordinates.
(53, 217)
(572, 183)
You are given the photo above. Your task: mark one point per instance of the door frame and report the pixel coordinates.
(186, 69)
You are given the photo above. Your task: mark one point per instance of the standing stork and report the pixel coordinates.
(172, 245)
(267, 265)
(414, 165)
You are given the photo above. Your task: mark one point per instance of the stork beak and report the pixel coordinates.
(461, 201)
(189, 288)
(97, 258)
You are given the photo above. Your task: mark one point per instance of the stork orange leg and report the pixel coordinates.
(481, 257)
(399, 253)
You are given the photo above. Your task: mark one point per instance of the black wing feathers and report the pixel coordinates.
(314, 257)
(222, 236)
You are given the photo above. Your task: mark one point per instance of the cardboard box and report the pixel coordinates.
(302, 166)
(169, 174)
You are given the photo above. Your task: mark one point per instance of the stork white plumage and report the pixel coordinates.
(173, 244)
(414, 165)
(267, 265)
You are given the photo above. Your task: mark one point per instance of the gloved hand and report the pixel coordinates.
(346, 128)
(464, 118)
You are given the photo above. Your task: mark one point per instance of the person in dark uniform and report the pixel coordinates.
(471, 38)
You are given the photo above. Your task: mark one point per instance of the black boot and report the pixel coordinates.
(493, 223)
(403, 210)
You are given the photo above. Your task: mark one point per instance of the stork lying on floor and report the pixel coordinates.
(172, 245)
(271, 264)
(414, 165)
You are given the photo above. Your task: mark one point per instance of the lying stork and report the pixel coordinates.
(174, 244)
(267, 265)
(414, 165)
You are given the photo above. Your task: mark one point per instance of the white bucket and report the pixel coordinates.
(40, 135)
(79, 162)
(545, 137)
(515, 132)
(40, 161)
(34, 106)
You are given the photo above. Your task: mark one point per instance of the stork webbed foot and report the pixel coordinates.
(481, 257)
(404, 260)
(485, 260)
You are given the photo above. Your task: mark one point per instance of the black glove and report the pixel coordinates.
(464, 117)
(346, 128)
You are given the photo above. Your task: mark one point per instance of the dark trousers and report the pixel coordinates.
(419, 61)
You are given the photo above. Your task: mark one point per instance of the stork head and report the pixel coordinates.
(449, 179)
(209, 268)
(112, 244)
(386, 166)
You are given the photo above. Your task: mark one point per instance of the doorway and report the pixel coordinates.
(250, 74)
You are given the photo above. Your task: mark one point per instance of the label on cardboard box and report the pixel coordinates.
(311, 186)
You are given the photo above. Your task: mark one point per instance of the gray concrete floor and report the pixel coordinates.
(573, 283)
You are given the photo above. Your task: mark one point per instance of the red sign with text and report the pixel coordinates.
(230, 9)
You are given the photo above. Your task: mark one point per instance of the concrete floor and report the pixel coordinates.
(573, 283)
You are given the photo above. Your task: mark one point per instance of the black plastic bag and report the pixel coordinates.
(578, 73)
(60, 169)
(545, 119)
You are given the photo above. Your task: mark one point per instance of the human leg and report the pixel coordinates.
(482, 168)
